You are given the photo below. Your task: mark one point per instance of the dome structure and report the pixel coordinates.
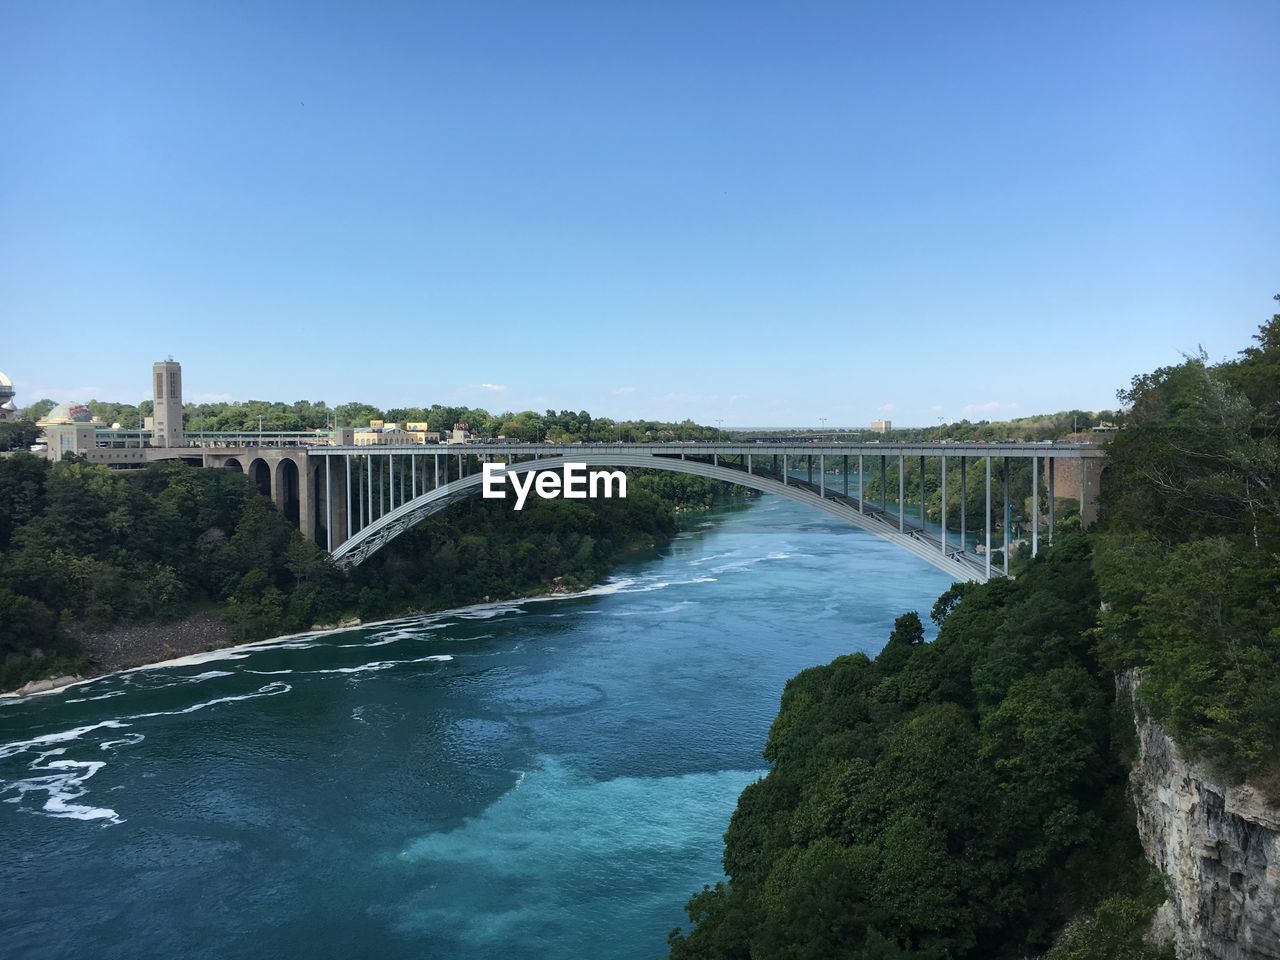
(68, 412)
(6, 388)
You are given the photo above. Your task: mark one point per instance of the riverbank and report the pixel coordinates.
(152, 644)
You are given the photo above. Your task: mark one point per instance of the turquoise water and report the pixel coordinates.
(538, 779)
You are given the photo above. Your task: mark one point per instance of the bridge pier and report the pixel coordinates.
(307, 501)
(943, 506)
(1049, 468)
(902, 493)
(1090, 483)
(1035, 506)
(988, 532)
(1008, 516)
(922, 513)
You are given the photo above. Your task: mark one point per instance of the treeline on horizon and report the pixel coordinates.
(84, 547)
(966, 798)
(563, 426)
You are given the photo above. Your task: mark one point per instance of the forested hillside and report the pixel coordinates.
(1190, 555)
(965, 798)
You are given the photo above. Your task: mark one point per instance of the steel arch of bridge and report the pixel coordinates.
(947, 556)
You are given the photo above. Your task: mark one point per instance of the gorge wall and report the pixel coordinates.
(1219, 846)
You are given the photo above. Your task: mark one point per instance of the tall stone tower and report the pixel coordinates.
(167, 415)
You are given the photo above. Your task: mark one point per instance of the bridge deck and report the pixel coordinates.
(1072, 451)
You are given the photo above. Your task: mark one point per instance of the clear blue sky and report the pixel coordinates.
(766, 213)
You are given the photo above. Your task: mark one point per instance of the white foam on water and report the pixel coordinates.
(63, 782)
(269, 690)
(714, 556)
(126, 741)
(62, 736)
(663, 584)
(749, 562)
(372, 667)
(660, 611)
(207, 675)
(379, 665)
(102, 696)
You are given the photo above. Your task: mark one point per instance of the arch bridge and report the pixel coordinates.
(355, 500)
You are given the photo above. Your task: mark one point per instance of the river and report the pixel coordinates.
(538, 779)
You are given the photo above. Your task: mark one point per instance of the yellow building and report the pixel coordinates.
(392, 434)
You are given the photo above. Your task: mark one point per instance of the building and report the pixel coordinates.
(166, 415)
(881, 426)
(392, 434)
(7, 409)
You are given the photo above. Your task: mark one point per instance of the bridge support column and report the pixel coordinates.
(1090, 482)
(988, 541)
(306, 498)
(368, 490)
(922, 513)
(846, 474)
(748, 464)
(1035, 505)
(964, 500)
(822, 474)
(808, 462)
(1008, 517)
(1049, 462)
(884, 486)
(902, 493)
(862, 478)
(347, 464)
(943, 507)
(437, 483)
(785, 471)
(279, 489)
(337, 501)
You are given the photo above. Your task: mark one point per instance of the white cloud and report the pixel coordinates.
(621, 391)
(211, 398)
(991, 406)
(887, 408)
(495, 387)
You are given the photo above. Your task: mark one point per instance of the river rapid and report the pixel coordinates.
(545, 779)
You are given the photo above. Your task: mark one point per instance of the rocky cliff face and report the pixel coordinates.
(1218, 844)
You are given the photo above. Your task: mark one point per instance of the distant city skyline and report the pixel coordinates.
(740, 213)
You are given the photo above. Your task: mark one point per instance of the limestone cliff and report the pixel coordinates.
(1219, 846)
